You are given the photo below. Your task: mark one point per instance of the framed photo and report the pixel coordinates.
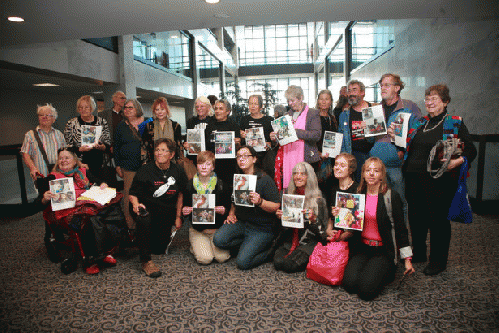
(65, 196)
(352, 208)
(243, 185)
(292, 206)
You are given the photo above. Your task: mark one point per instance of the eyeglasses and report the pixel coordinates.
(386, 85)
(240, 157)
(432, 100)
(45, 116)
(129, 107)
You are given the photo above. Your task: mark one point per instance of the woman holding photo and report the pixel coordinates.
(96, 240)
(373, 256)
(92, 155)
(298, 244)
(205, 181)
(307, 124)
(251, 228)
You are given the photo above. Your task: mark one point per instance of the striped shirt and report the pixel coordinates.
(52, 141)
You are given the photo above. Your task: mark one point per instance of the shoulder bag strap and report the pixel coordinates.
(388, 204)
(42, 149)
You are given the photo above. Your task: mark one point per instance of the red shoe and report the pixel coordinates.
(109, 260)
(92, 269)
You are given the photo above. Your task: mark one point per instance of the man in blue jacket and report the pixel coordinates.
(391, 85)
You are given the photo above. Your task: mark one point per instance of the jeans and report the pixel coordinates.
(396, 182)
(254, 243)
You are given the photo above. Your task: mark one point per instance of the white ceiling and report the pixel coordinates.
(56, 20)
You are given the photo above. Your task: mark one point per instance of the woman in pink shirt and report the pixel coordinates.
(373, 251)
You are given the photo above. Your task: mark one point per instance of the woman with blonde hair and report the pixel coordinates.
(298, 244)
(203, 116)
(373, 251)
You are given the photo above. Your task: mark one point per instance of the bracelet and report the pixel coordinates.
(260, 203)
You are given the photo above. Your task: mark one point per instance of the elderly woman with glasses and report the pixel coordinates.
(88, 135)
(307, 123)
(129, 153)
(251, 228)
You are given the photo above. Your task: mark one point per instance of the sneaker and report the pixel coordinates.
(92, 269)
(151, 269)
(109, 260)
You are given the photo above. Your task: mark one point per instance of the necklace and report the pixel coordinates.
(426, 125)
(164, 171)
(347, 187)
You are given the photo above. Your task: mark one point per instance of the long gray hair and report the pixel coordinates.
(312, 191)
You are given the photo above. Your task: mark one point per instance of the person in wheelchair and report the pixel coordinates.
(96, 228)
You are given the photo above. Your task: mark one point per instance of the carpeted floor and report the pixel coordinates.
(37, 297)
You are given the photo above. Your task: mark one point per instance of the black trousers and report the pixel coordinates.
(428, 202)
(368, 270)
(153, 233)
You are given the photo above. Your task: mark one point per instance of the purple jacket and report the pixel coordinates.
(310, 135)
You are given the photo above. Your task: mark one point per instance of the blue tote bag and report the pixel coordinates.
(460, 208)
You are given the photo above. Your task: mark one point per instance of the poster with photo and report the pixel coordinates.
(64, 191)
(292, 206)
(332, 143)
(284, 129)
(352, 207)
(374, 118)
(90, 135)
(400, 128)
(195, 139)
(255, 138)
(203, 209)
(225, 146)
(243, 185)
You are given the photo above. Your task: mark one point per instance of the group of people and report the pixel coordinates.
(399, 190)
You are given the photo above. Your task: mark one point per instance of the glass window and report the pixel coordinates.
(369, 40)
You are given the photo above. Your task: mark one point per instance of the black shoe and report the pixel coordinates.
(52, 252)
(69, 265)
(433, 269)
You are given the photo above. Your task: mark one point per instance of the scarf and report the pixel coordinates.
(202, 189)
(165, 132)
(81, 181)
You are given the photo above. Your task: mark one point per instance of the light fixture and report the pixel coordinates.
(212, 1)
(15, 19)
(46, 84)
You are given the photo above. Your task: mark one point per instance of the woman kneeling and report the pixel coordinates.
(373, 255)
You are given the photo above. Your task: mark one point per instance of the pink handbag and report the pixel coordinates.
(327, 263)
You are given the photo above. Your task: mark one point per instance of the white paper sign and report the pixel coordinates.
(292, 206)
(332, 143)
(64, 191)
(284, 129)
(374, 118)
(225, 146)
(203, 209)
(255, 138)
(90, 135)
(195, 138)
(243, 185)
(400, 128)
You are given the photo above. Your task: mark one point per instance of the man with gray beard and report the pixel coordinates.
(353, 127)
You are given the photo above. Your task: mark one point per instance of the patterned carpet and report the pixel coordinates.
(37, 297)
